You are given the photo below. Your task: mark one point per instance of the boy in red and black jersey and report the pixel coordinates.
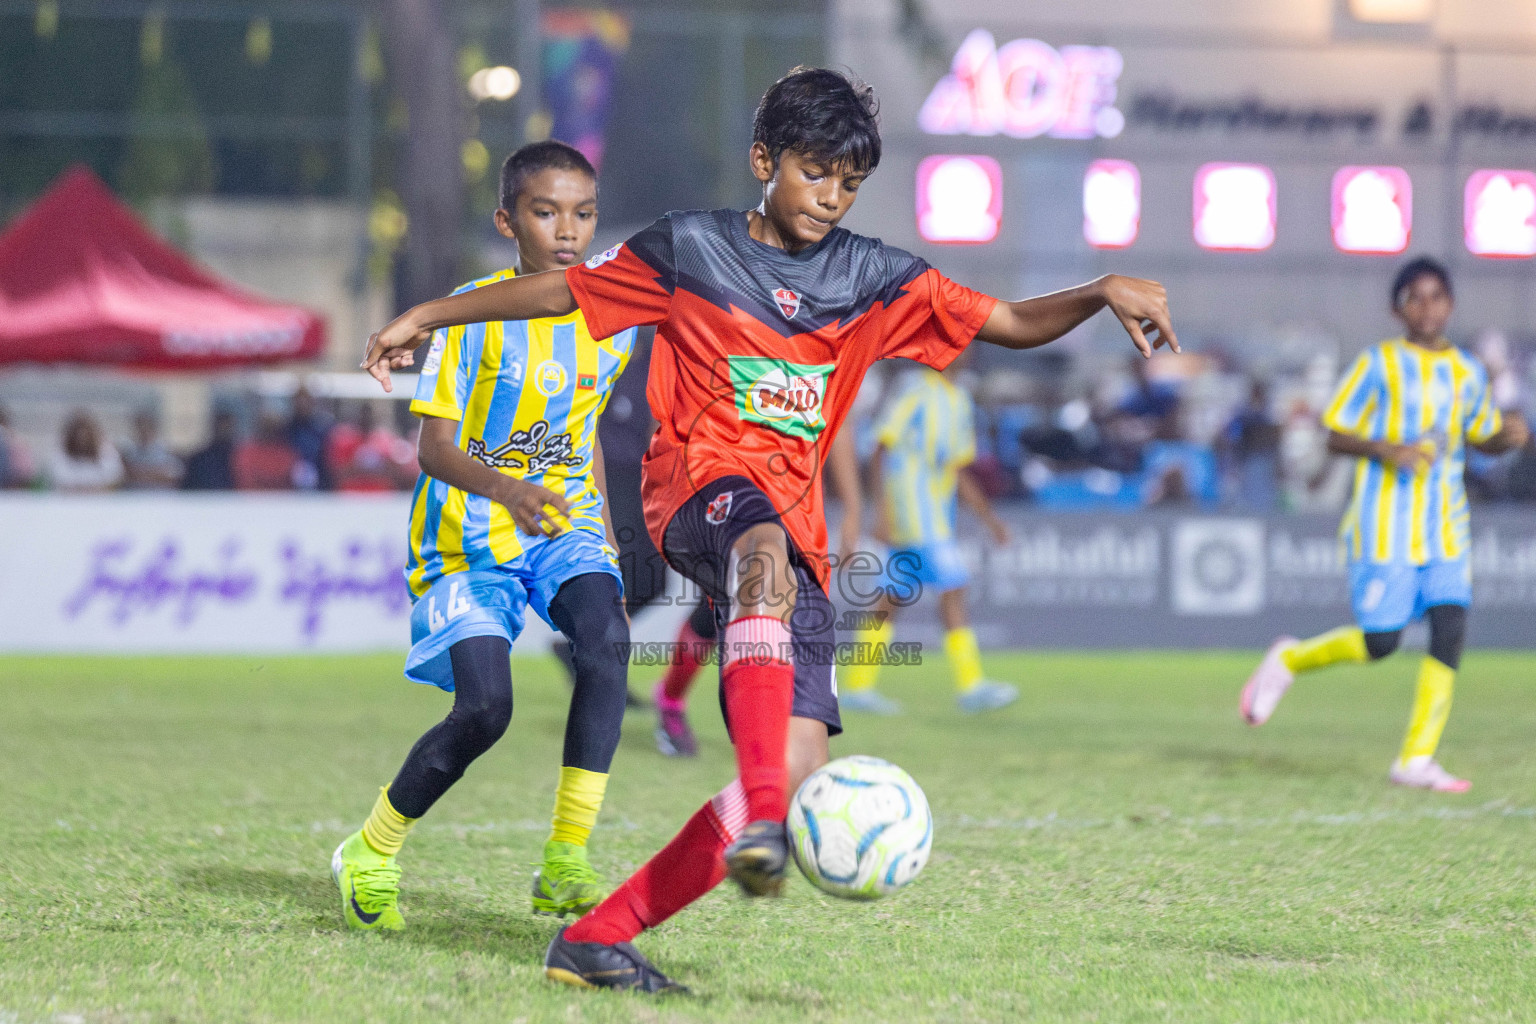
(766, 323)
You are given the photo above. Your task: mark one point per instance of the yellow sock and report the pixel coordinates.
(577, 801)
(386, 828)
(869, 645)
(964, 657)
(1431, 707)
(1347, 643)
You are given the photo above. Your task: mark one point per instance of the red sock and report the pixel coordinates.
(680, 674)
(686, 868)
(759, 681)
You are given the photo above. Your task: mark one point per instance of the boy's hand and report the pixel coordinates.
(538, 511)
(1142, 308)
(1517, 433)
(393, 347)
(1415, 458)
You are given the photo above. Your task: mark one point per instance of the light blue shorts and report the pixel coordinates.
(936, 566)
(492, 602)
(1388, 596)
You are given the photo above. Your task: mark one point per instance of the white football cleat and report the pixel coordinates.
(1267, 684)
(1425, 773)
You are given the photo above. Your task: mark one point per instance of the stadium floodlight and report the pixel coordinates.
(959, 199)
(1234, 207)
(1500, 214)
(496, 83)
(1372, 209)
(1111, 204)
(1392, 12)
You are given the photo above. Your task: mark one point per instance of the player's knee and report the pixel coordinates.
(601, 649)
(1447, 633)
(1379, 645)
(762, 576)
(482, 721)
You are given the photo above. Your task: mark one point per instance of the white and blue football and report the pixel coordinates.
(860, 828)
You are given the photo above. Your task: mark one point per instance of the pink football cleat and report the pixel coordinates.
(1267, 684)
(1425, 773)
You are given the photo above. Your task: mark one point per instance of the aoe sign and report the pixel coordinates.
(1026, 88)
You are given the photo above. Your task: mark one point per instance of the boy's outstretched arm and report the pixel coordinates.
(520, 298)
(1141, 307)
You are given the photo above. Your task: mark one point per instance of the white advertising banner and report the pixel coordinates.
(181, 573)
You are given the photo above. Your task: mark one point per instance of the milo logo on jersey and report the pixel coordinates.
(777, 393)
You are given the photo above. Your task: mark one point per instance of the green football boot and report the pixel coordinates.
(566, 882)
(369, 884)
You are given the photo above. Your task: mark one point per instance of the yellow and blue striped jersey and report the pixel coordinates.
(1407, 394)
(527, 395)
(929, 435)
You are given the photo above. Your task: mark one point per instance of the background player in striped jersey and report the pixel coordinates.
(923, 443)
(509, 514)
(1406, 411)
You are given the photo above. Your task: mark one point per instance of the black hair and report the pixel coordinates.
(821, 114)
(536, 157)
(1414, 269)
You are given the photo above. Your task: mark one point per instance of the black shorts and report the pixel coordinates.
(697, 543)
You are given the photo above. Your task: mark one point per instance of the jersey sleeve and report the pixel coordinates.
(629, 285)
(1356, 398)
(1483, 419)
(443, 386)
(929, 318)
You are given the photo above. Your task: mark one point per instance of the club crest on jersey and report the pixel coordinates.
(549, 378)
(716, 511)
(604, 257)
(789, 302)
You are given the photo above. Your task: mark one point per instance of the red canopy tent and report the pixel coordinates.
(83, 280)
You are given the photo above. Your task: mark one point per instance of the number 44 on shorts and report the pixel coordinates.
(457, 605)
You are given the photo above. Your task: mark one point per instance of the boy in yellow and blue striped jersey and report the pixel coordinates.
(509, 514)
(1406, 410)
(923, 443)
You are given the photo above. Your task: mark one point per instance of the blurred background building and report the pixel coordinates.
(1271, 163)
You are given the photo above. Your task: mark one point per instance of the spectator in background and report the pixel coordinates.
(368, 456)
(85, 462)
(1249, 448)
(211, 468)
(16, 466)
(309, 430)
(148, 462)
(268, 462)
(1154, 402)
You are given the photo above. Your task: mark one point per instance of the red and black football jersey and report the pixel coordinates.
(759, 352)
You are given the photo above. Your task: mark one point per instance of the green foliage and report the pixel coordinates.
(1115, 847)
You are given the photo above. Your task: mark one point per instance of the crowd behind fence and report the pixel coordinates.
(1083, 433)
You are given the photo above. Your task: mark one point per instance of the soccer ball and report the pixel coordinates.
(860, 828)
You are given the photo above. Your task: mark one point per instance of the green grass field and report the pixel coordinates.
(1117, 847)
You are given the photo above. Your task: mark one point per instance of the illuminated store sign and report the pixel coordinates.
(1235, 207)
(1500, 213)
(1111, 204)
(1372, 209)
(1025, 89)
(959, 199)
